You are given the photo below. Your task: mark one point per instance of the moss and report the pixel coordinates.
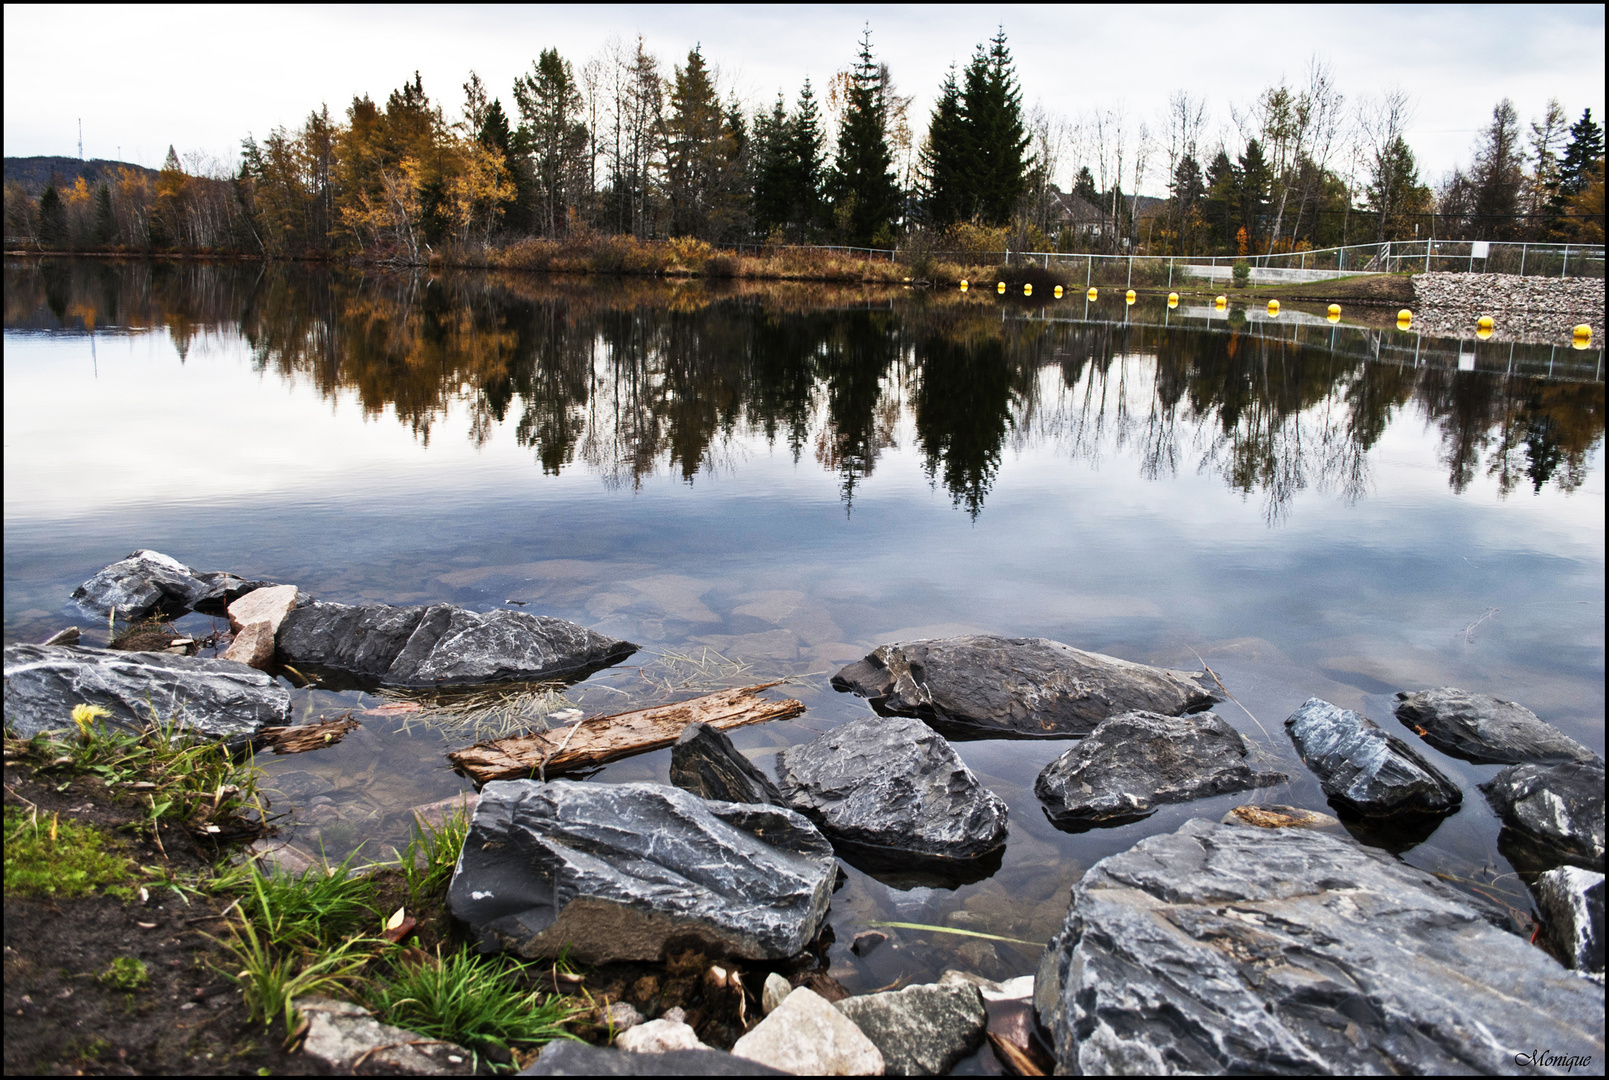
(126, 973)
(50, 857)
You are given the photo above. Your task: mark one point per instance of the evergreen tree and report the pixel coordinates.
(998, 142)
(943, 157)
(105, 224)
(1189, 188)
(1221, 206)
(52, 217)
(1084, 187)
(553, 138)
(1393, 189)
(807, 171)
(1252, 181)
(496, 136)
(1586, 147)
(867, 198)
(703, 148)
(1498, 175)
(769, 160)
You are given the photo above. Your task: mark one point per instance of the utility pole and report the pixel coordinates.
(80, 138)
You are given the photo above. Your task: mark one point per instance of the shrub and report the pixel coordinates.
(1242, 273)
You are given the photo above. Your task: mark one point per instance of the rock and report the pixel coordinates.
(658, 1036)
(618, 871)
(621, 1016)
(281, 856)
(866, 942)
(893, 784)
(1571, 900)
(68, 636)
(1485, 729)
(566, 1057)
(776, 988)
(412, 646)
(920, 1030)
(340, 1033)
(216, 698)
(807, 1036)
(1362, 768)
(269, 605)
(1218, 948)
(705, 762)
(1276, 816)
(1133, 763)
(437, 814)
(1555, 812)
(1019, 686)
(151, 583)
(253, 646)
(1010, 1005)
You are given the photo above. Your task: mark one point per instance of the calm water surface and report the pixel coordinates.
(756, 482)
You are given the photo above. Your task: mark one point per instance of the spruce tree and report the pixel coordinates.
(1084, 187)
(769, 161)
(52, 217)
(1251, 189)
(999, 142)
(1586, 147)
(105, 223)
(863, 180)
(806, 169)
(943, 157)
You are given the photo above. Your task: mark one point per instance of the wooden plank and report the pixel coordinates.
(595, 739)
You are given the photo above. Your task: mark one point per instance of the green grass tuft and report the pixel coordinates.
(473, 1001)
(51, 857)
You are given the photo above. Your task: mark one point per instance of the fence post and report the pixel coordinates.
(1170, 271)
(1130, 284)
(1089, 266)
(1427, 263)
(1566, 264)
(1522, 262)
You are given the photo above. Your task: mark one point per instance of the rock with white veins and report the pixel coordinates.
(151, 583)
(1485, 729)
(1553, 814)
(1571, 899)
(1364, 769)
(920, 1030)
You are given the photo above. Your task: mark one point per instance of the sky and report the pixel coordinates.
(201, 78)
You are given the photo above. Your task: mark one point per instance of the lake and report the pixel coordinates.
(765, 480)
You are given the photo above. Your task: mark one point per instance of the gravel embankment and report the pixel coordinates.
(1523, 308)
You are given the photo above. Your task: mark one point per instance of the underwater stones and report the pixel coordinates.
(621, 871)
(1218, 948)
(216, 698)
(893, 784)
(704, 761)
(1364, 769)
(1133, 763)
(920, 1030)
(1279, 816)
(151, 583)
(1017, 686)
(1571, 899)
(442, 644)
(1554, 813)
(1485, 729)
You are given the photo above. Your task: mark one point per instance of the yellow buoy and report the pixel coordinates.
(1027, 288)
(1582, 332)
(1094, 293)
(1129, 297)
(1173, 299)
(1485, 323)
(1483, 332)
(1404, 316)
(1334, 316)
(1335, 311)
(1058, 292)
(1000, 288)
(1273, 308)
(1221, 302)
(963, 284)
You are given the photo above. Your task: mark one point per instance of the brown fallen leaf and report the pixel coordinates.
(399, 933)
(1015, 1057)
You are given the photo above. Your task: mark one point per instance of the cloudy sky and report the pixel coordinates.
(201, 78)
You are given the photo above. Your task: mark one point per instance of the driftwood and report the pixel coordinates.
(596, 739)
(304, 737)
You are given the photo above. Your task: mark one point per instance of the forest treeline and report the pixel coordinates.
(620, 154)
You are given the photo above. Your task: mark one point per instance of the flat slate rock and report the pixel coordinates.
(1133, 763)
(1365, 770)
(1485, 729)
(624, 871)
(442, 644)
(1571, 900)
(704, 761)
(893, 784)
(921, 1030)
(216, 698)
(566, 1057)
(346, 1038)
(151, 583)
(1015, 686)
(1222, 949)
(1555, 813)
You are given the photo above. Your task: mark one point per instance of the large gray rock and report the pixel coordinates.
(1554, 812)
(1133, 763)
(1223, 949)
(920, 1030)
(442, 644)
(151, 583)
(623, 871)
(565, 1057)
(1571, 900)
(1362, 768)
(705, 762)
(1485, 729)
(1016, 686)
(217, 698)
(894, 784)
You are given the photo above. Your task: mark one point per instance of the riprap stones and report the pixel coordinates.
(1225, 949)
(1362, 768)
(1015, 686)
(1485, 729)
(625, 871)
(1553, 813)
(442, 644)
(1133, 763)
(893, 783)
(216, 698)
(1571, 902)
(151, 583)
(704, 761)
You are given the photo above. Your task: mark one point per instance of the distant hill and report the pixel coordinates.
(33, 173)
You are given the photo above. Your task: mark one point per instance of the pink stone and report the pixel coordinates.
(254, 645)
(269, 605)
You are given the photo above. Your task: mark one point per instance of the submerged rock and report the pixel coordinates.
(566, 1057)
(151, 583)
(1555, 812)
(893, 784)
(807, 1036)
(442, 643)
(1018, 686)
(1279, 816)
(705, 762)
(621, 871)
(1364, 769)
(920, 1030)
(1571, 899)
(1218, 948)
(216, 698)
(1133, 763)
(1485, 729)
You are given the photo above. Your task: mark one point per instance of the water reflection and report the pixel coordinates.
(630, 378)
